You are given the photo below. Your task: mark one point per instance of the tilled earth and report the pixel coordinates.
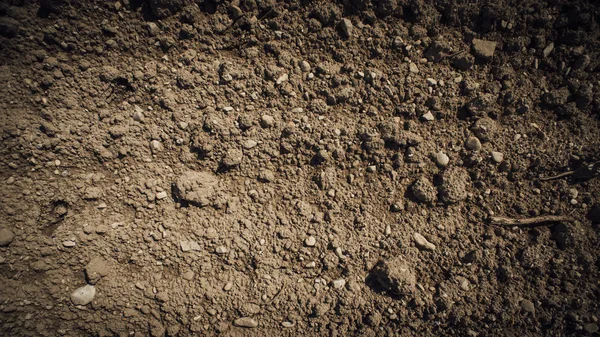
(299, 168)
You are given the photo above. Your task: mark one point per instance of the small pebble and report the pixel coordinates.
(161, 195)
(221, 250)
(69, 243)
(339, 283)
(473, 144)
(246, 322)
(267, 121)
(528, 306)
(228, 286)
(287, 324)
(413, 68)
(442, 159)
(428, 117)
(422, 242)
(310, 241)
(188, 275)
(310, 265)
(498, 157)
(155, 146)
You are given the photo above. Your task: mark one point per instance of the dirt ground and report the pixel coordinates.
(299, 168)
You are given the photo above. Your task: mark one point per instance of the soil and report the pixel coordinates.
(264, 168)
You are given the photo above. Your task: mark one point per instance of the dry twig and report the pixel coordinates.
(506, 221)
(558, 176)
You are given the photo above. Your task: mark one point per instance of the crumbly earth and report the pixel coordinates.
(245, 168)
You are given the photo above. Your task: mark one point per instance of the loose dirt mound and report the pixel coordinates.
(186, 168)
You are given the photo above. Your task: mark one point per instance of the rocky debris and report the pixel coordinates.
(196, 187)
(424, 190)
(463, 62)
(6, 237)
(246, 322)
(96, 269)
(556, 98)
(9, 27)
(484, 49)
(442, 159)
(346, 28)
(164, 8)
(189, 246)
(473, 144)
(83, 295)
(422, 243)
(396, 276)
(454, 184)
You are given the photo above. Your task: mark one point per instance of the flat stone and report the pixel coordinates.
(546, 52)
(69, 243)
(287, 324)
(189, 246)
(221, 250)
(422, 243)
(161, 195)
(246, 322)
(484, 49)
(6, 237)
(339, 283)
(83, 295)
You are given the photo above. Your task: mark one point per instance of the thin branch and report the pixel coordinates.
(506, 221)
(558, 176)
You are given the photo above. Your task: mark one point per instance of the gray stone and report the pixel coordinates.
(267, 121)
(83, 295)
(310, 241)
(591, 328)
(473, 143)
(6, 237)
